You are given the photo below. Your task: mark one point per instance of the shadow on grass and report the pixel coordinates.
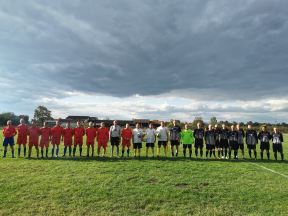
(162, 159)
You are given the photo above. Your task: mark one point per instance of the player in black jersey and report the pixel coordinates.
(251, 141)
(233, 142)
(224, 144)
(264, 136)
(199, 136)
(210, 139)
(241, 136)
(218, 146)
(277, 139)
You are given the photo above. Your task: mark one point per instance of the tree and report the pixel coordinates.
(213, 120)
(42, 114)
(196, 120)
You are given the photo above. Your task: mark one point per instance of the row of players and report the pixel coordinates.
(220, 140)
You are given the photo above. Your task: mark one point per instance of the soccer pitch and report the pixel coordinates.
(111, 186)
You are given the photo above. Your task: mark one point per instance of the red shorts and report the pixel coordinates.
(67, 143)
(102, 143)
(22, 140)
(126, 143)
(56, 140)
(33, 143)
(44, 143)
(90, 143)
(78, 141)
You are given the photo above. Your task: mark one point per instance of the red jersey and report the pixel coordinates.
(57, 131)
(91, 134)
(34, 135)
(68, 134)
(9, 131)
(79, 132)
(45, 135)
(126, 134)
(102, 134)
(22, 134)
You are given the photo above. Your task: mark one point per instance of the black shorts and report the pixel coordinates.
(189, 146)
(217, 144)
(210, 147)
(251, 146)
(265, 146)
(234, 145)
(241, 146)
(162, 143)
(137, 145)
(175, 142)
(199, 143)
(115, 141)
(224, 143)
(150, 145)
(277, 148)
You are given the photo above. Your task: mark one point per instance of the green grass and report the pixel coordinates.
(108, 186)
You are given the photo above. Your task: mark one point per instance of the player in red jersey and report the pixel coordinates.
(91, 134)
(33, 139)
(102, 138)
(45, 132)
(79, 132)
(68, 133)
(56, 133)
(22, 129)
(9, 132)
(126, 135)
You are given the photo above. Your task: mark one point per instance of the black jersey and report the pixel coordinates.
(217, 133)
(233, 136)
(264, 136)
(175, 133)
(224, 133)
(251, 137)
(198, 133)
(277, 138)
(241, 135)
(210, 137)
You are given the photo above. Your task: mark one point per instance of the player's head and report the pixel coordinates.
(115, 122)
(238, 126)
(209, 127)
(216, 126)
(186, 126)
(45, 124)
(232, 127)
(68, 125)
(127, 125)
(223, 126)
(57, 123)
(150, 125)
(249, 126)
(90, 124)
(264, 128)
(275, 129)
(198, 125)
(33, 122)
(174, 122)
(137, 125)
(9, 122)
(22, 121)
(162, 123)
(102, 124)
(78, 124)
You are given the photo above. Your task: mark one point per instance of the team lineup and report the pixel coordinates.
(219, 142)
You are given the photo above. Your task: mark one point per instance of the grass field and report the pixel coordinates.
(110, 186)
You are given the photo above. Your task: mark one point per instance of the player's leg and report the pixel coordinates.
(19, 149)
(92, 148)
(88, 150)
(280, 149)
(135, 149)
(184, 150)
(196, 148)
(159, 148)
(53, 149)
(172, 148)
(177, 149)
(268, 151)
(190, 150)
(65, 150)
(57, 149)
(165, 148)
(70, 149)
(139, 149)
(37, 150)
(74, 149)
(147, 149)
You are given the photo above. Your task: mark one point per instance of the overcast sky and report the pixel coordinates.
(156, 59)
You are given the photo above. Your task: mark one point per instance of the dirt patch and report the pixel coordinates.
(153, 181)
(181, 185)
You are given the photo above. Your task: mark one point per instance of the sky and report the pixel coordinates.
(154, 59)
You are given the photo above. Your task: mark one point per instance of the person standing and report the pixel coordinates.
(115, 135)
(241, 136)
(45, 133)
(91, 134)
(102, 138)
(137, 140)
(33, 133)
(251, 141)
(150, 139)
(22, 129)
(210, 139)
(9, 132)
(56, 132)
(162, 134)
(277, 138)
(126, 135)
(224, 144)
(79, 133)
(175, 137)
(233, 142)
(187, 140)
(68, 133)
(199, 136)
(264, 136)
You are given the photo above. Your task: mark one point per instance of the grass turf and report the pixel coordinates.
(111, 186)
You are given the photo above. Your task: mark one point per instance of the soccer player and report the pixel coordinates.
(68, 133)
(137, 140)
(210, 139)
(175, 136)
(22, 129)
(102, 138)
(56, 133)
(79, 132)
(45, 132)
(91, 134)
(115, 134)
(233, 142)
(218, 147)
(126, 135)
(9, 132)
(251, 141)
(187, 140)
(199, 136)
(241, 136)
(224, 144)
(150, 139)
(264, 136)
(277, 138)
(33, 139)
(162, 135)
